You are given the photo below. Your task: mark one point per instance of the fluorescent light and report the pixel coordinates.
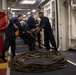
(24, 15)
(27, 1)
(16, 9)
(8, 8)
(34, 10)
(28, 13)
(13, 13)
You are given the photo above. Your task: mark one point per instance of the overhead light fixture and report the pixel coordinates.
(34, 10)
(13, 13)
(24, 15)
(27, 2)
(8, 8)
(28, 13)
(16, 9)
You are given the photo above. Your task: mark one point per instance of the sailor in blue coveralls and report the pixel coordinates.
(48, 33)
(32, 25)
(14, 24)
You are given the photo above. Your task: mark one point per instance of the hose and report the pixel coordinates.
(56, 61)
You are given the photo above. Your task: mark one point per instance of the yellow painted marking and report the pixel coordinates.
(3, 65)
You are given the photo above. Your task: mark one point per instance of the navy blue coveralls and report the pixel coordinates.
(24, 35)
(48, 33)
(38, 36)
(31, 41)
(10, 36)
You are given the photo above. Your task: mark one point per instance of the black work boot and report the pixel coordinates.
(3, 56)
(30, 49)
(4, 59)
(13, 53)
(55, 49)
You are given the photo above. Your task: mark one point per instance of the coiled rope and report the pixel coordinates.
(57, 61)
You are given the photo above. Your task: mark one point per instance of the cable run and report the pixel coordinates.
(57, 61)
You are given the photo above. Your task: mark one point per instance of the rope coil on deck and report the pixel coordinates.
(56, 61)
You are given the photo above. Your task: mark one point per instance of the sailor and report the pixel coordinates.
(48, 33)
(32, 25)
(14, 25)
